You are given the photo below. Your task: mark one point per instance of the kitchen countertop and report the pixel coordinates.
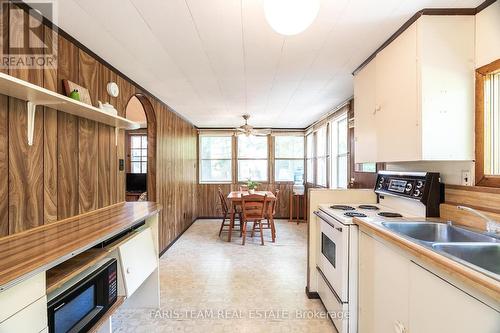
(469, 276)
(41, 248)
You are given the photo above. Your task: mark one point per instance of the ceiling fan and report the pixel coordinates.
(250, 130)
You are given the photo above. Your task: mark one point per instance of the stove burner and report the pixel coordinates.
(354, 214)
(389, 214)
(342, 207)
(368, 207)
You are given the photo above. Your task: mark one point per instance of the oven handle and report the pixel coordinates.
(333, 223)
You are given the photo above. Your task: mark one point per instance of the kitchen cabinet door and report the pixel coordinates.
(138, 260)
(365, 132)
(437, 306)
(446, 67)
(383, 288)
(397, 107)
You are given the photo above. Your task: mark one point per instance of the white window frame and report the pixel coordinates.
(334, 153)
(238, 158)
(200, 159)
(310, 157)
(289, 159)
(318, 157)
(143, 159)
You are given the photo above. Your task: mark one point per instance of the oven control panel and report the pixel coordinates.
(422, 186)
(401, 186)
(409, 185)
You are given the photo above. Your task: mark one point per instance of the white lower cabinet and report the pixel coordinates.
(31, 319)
(397, 295)
(21, 295)
(437, 306)
(383, 287)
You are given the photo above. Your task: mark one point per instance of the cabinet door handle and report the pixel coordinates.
(377, 109)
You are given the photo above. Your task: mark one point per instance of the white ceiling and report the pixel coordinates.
(214, 60)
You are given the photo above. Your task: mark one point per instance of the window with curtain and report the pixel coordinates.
(321, 156)
(289, 159)
(310, 158)
(252, 158)
(215, 159)
(138, 153)
(339, 163)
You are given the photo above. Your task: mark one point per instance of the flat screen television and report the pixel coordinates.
(136, 182)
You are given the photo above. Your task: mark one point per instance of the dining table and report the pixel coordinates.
(235, 198)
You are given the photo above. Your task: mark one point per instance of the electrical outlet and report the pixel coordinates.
(466, 181)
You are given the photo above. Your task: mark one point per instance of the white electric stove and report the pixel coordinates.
(399, 196)
(345, 213)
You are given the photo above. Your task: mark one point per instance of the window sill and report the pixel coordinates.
(489, 181)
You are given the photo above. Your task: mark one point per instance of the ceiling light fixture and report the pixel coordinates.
(291, 17)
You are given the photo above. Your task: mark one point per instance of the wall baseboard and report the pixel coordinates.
(177, 238)
(311, 294)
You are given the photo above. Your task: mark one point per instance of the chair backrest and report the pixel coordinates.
(275, 202)
(243, 188)
(254, 206)
(223, 202)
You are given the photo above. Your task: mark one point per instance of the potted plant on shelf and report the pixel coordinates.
(252, 186)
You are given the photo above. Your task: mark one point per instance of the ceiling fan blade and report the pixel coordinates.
(262, 132)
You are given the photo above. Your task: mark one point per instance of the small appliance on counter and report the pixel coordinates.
(82, 301)
(397, 195)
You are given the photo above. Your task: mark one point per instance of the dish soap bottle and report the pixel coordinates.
(75, 95)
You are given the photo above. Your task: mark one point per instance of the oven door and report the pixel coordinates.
(334, 254)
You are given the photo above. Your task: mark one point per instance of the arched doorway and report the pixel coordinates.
(140, 150)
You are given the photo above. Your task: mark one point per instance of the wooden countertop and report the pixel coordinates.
(41, 248)
(469, 276)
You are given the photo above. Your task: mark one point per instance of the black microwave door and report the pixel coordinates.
(81, 306)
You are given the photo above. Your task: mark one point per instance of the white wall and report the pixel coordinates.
(488, 35)
(451, 171)
(487, 47)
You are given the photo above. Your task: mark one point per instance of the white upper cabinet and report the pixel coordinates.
(364, 115)
(415, 100)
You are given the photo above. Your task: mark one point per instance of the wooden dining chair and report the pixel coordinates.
(225, 212)
(253, 209)
(270, 219)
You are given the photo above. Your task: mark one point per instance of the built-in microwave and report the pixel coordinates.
(82, 304)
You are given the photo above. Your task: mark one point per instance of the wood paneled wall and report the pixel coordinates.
(483, 199)
(72, 166)
(209, 205)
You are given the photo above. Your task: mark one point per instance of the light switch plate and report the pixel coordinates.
(466, 181)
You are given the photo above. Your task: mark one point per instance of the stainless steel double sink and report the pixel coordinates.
(473, 249)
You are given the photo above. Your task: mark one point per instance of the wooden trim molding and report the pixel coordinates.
(481, 178)
(415, 17)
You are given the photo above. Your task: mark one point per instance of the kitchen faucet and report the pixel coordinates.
(492, 226)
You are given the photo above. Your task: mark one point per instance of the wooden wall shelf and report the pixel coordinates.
(35, 95)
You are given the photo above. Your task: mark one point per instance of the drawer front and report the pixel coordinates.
(32, 319)
(21, 295)
(137, 260)
(333, 306)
